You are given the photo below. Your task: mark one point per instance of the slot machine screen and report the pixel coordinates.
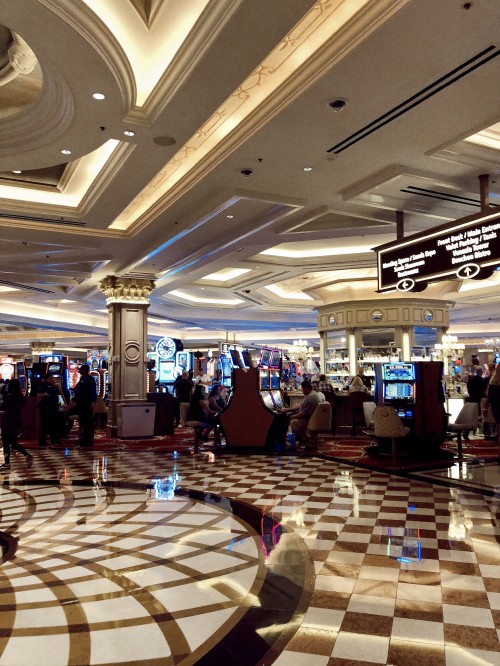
(399, 391)
(278, 400)
(21, 369)
(54, 368)
(275, 379)
(247, 359)
(226, 366)
(166, 371)
(265, 357)
(275, 361)
(398, 372)
(264, 380)
(268, 401)
(236, 358)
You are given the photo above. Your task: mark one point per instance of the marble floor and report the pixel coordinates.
(144, 557)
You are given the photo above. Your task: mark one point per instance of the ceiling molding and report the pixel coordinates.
(44, 121)
(201, 38)
(88, 24)
(205, 151)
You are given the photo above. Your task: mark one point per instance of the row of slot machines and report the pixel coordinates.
(65, 377)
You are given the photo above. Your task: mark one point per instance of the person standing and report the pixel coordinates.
(183, 388)
(476, 386)
(13, 405)
(85, 395)
(48, 406)
(493, 400)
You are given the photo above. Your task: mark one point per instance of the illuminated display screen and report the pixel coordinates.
(275, 359)
(264, 380)
(275, 379)
(265, 357)
(398, 371)
(55, 368)
(450, 251)
(399, 391)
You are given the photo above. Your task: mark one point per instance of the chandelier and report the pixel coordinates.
(300, 350)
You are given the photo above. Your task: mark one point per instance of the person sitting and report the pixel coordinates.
(315, 385)
(325, 386)
(360, 382)
(301, 417)
(215, 400)
(199, 410)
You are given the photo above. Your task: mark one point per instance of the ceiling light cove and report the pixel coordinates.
(489, 137)
(318, 252)
(289, 295)
(86, 169)
(98, 96)
(207, 301)
(227, 274)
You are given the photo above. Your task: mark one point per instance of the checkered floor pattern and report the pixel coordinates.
(406, 572)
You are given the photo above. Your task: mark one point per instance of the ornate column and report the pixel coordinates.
(127, 299)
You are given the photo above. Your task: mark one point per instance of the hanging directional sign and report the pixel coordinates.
(462, 249)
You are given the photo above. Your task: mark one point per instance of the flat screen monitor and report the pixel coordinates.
(247, 359)
(21, 369)
(236, 358)
(398, 371)
(399, 391)
(55, 368)
(275, 361)
(265, 357)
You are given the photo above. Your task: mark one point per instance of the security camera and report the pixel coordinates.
(246, 173)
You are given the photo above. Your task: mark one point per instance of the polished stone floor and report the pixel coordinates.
(142, 557)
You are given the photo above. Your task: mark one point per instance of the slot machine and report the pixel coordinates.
(59, 370)
(22, 376)
(397, 388)
(416, 391)
(38, 372)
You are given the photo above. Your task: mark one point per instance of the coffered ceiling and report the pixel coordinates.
(248, 155)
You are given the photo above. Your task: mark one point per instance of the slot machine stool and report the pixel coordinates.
(196, 425)
(387, 423)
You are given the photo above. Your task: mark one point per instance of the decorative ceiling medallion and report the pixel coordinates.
(377, 315)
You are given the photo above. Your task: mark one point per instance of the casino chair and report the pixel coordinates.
(388, 425)
(465, 422)
(197, 426)
(368, 410)
(320, 421)
(356, 401)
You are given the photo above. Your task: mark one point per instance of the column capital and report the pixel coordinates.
(42, 347)
(126, 289)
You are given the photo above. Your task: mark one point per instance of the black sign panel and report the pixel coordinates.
(455, 251)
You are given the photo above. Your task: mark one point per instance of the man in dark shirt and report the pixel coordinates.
(476, 386)
(48, 405)
(183, 387)
(85, 394)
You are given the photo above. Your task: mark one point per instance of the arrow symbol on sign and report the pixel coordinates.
(405, 285)
(467, 270)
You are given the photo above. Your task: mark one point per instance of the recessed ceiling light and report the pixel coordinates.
(17, 171)
(99, 96)
(65, 151)
(129, 133)
(308, 168)
(229, 217)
